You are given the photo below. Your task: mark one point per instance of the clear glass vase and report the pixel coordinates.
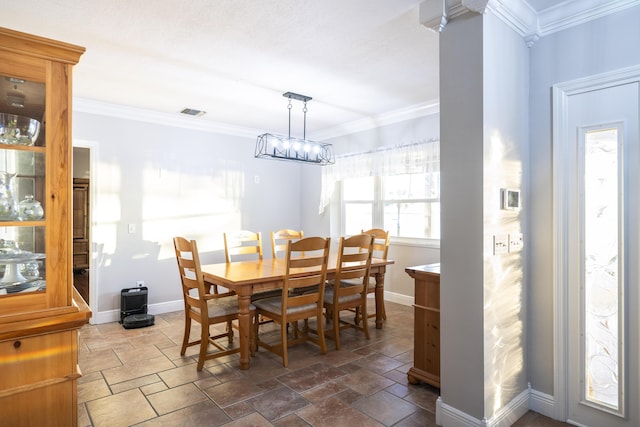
(30, 209)
(8, 204)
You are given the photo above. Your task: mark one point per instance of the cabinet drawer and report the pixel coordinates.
(33, 359)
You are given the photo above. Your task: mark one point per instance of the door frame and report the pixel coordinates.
(92, 146)
(561, 94)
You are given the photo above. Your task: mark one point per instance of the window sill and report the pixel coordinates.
(419, 243)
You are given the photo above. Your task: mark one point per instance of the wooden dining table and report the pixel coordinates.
(246, 278)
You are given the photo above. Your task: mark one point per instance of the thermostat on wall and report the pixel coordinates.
(510, 199)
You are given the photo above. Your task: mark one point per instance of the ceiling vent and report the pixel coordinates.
(193, 112)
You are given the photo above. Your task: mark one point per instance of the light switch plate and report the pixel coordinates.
(515, 242)
(500, 244)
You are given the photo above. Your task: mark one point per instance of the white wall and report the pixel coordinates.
(484, 101)
(506, 160)
(598, 46)
(461, 165)
(399, 287)
(167, 181)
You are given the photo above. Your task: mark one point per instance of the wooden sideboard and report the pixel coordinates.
(426, 346)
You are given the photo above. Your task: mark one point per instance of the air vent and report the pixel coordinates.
(192, 112)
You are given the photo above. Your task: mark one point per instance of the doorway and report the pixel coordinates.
(81, 221)
(596, 206)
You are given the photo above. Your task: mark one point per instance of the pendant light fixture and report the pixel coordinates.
(280, 147)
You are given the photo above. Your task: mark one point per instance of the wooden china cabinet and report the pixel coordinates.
(40, 313)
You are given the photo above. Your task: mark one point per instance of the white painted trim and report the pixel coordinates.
(542, 403)
(180, 120)
(452, 417)
(411, 112)
(161, 308)
(93, 180)
(561, 94)
(507, 415)
(157, 117)
(398, 298)
(522, 18)
(570, 14)
(511, 412)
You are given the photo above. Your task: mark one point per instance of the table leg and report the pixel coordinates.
(244, 323)
(379, 293)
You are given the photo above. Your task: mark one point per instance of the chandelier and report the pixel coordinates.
(280, 147)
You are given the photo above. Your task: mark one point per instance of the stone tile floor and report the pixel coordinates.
(137, 377)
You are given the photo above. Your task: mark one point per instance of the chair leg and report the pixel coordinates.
(187, 332)
(336, 327)
(204, 344)
(365, 323)
(283, 334)
(230, 331)
(321, 340)
(256, 331)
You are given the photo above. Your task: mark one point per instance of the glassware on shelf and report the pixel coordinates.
(8, 203)
(18, 130)
(30, 209)
(8, 248)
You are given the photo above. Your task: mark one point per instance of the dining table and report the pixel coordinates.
(247, 278)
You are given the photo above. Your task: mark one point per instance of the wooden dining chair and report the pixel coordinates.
(349, 288)
(309, 256)
(380, 250)
(203, 307)
(242, 244)
(280, 238)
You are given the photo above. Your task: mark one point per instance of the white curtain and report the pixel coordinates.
(421, 157)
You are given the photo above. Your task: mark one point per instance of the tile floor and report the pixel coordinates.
(137, 377)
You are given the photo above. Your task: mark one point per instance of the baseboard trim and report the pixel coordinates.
(507, 415)
(114, 315)
(542, 403)
(398, 298)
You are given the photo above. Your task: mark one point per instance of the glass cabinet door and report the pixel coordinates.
(22, 186)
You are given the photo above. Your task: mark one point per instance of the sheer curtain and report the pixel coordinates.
(420, 157)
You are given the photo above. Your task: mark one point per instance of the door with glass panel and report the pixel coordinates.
(602, 256)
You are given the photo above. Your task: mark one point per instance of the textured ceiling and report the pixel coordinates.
(234, 59)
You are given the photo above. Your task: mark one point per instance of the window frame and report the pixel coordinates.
(378, 204)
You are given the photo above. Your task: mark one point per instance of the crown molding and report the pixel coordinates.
(91, 106)
(412, 112)
(520, 16)
(101, 108)
(563, 16)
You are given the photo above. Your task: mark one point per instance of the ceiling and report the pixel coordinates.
(357, 59)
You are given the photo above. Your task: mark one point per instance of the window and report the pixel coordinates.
(396, 189)
(404, 206)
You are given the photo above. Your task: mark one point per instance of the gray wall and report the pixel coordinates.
(169, 181)
(602, 45)
(484, 136)
(461, 164)
(404, 255)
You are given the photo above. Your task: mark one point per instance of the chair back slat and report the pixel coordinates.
(280, 238)
(241, 243)
(380, 242)
(311, 253)
(190, 274)
(354, 264)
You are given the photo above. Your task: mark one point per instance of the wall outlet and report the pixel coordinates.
(140, 283)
